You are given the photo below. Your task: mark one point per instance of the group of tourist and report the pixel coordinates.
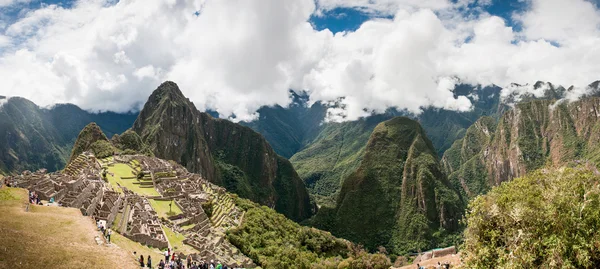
(105, 232)
(173, 261)
(34, 198)
(445, 265)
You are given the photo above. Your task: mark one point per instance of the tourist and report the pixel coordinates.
(149, 262)
(108, 234)
(161, 264)
(189, 261)
(142, 261)
(219, 265)
(167, 254)
(212, 264)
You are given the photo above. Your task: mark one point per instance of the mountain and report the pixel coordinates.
(90, 137)
(32, 137)
(228, 154)
(534, 134)
(289, 129)
(398, 197)
(325, 153)
(333, 156)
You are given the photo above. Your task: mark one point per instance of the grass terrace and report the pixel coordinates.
(125, 176)
(162, 208)
(131, 246)
(176, 241)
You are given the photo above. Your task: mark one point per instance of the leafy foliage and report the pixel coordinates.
(273, 241)
(548, 219)
(102, 149)
(131, 143)
(90, 134)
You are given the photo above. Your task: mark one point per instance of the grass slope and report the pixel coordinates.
(51, 237)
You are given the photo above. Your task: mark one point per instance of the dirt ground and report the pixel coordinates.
(454, 261)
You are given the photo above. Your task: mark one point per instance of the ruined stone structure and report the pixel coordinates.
(80, 185)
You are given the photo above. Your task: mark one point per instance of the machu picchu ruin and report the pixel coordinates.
(144, 199)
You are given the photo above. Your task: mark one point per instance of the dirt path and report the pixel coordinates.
(454, 261)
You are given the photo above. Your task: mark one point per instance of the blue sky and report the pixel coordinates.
(336, 20)
(349, 19)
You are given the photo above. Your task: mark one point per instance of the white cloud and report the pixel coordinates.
(384, 7)
(7, 3)
(239, 55)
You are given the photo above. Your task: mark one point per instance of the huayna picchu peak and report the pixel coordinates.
(224, 152)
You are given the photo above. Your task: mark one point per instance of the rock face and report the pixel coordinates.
(399, 196)
(225, 153)
(532, 135)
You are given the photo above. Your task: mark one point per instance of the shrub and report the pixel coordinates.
(548, 219)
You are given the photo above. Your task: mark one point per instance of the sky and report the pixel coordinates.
(234, 56)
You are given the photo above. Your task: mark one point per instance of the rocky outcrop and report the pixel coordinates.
(87, 137)
(530, 136)
(399, 195)
(225, 153)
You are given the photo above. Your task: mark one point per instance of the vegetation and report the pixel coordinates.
(32, 137)
(377, 207)
(165, 209)
(118, 171)
(548, 219)
(131, 143)
(333, 156)
(176, 241)
(88, 136)
(102, 149)
(464, 162)
(273, 241)
(51, 237)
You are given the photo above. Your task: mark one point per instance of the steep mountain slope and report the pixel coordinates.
(332, 151)
(289, 129)
(399, 196)
(32, 137)
(334, 155)
(532, 135)
(226, 153)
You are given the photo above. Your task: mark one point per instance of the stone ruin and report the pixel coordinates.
(141, 223)
(80, 185)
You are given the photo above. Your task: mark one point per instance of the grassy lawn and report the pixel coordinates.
(130, 246)
(162, 208)
(176, 241)
(189, 226)
(123, 170)
(51, 237)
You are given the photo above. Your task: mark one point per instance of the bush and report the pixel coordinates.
(548, 219)
(102, 149)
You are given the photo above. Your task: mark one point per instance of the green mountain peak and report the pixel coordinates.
(399, 196)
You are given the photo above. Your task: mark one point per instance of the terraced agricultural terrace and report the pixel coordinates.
(151, 203)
